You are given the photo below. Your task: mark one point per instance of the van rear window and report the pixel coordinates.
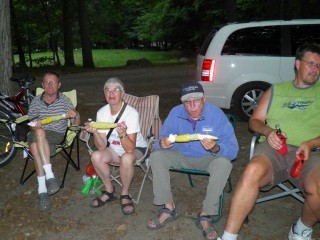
(206, 42)
(304, 34)
(262, 41)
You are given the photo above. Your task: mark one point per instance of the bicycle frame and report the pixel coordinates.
(13, 104)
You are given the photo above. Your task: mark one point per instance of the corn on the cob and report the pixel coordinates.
(189, 137)
(103, 125)
(48, 120)
(52, 119)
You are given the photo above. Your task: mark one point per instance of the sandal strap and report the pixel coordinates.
(205, 218)
(109, 194)
(168, 211)
(125, 197)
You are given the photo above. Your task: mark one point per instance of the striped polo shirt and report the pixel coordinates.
(40, 109)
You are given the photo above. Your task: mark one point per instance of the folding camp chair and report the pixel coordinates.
(150, 124)
(287, 187)
(190, 172)
(65, 149)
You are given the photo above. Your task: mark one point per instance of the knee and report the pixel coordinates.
(127, 160)
(253, 173)
(311, 183)
(219, 164)
(40, 133)
(96, 157)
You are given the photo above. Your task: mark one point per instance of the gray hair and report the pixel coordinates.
(114, 81)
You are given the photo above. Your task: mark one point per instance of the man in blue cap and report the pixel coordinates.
(193, 116)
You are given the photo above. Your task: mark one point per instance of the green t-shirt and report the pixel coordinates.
(296, 110)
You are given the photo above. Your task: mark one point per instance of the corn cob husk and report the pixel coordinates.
(52, 119)
(103, 125)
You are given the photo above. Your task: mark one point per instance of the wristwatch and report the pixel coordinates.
(123, 137)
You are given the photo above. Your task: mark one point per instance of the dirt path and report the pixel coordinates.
(72, 218)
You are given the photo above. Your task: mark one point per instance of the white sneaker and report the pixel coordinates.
(306, 235)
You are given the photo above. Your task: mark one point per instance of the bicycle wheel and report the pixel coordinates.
(7, 148)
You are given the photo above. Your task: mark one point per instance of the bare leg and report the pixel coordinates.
(40, 151)
(100, 160)
(311, 207)
(127, 173)
(257, 174)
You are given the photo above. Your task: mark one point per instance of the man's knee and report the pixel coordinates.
(40, 133)
(219, 164)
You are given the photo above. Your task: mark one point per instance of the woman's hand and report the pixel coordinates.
(88, 127)
(121, 129)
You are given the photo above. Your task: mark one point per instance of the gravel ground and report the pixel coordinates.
(72, 218)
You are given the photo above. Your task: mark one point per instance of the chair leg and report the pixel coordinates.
(146, 173)
(190, 180)
(230, 185)
(22, 179)
(67, 155)
(220, 209)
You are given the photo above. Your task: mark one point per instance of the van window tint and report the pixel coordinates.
(263, 41)
(304, 34)
(206, 43)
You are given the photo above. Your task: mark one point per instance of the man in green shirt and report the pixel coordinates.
(295, 106)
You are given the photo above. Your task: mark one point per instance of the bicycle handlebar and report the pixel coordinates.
(23, 81)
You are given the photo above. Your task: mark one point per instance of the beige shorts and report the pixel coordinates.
(282, 164)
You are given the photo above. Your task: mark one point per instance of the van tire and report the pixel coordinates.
(246, 98)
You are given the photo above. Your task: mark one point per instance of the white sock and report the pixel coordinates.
(229, 236)
(48, 170)
(42, 188)
(300, 227)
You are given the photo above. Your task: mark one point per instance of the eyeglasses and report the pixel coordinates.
(51, 82)
(195, 101)
(115, 90)
(311, 64)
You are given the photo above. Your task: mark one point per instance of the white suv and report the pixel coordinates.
(238, 62)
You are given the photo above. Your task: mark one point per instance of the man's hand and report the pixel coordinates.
(210, 145)
(274, 140)
(165, 143)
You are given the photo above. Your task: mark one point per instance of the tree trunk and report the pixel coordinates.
(52, 39)
(84, 34)
(5, 47)
(17, 37)
(67, 33)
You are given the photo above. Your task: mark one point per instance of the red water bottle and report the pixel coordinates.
(284, 148)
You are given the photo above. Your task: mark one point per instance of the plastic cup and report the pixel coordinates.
(284, 148)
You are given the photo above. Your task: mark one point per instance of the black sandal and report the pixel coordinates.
(206, 232)
(130, 204)
(101, 203)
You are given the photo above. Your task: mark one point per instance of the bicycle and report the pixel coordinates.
(11, 108)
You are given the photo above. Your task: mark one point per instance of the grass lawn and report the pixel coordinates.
(109, 57)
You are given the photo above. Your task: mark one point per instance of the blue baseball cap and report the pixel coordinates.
(191, 90)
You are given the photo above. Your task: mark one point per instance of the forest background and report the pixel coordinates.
(86, 25)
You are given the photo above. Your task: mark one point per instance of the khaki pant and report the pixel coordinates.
(218, 167)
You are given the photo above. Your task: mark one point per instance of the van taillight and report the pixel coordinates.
(207, 69)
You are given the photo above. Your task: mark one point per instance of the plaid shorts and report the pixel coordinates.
(282, 164)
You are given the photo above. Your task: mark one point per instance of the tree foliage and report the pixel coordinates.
(161, 24)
